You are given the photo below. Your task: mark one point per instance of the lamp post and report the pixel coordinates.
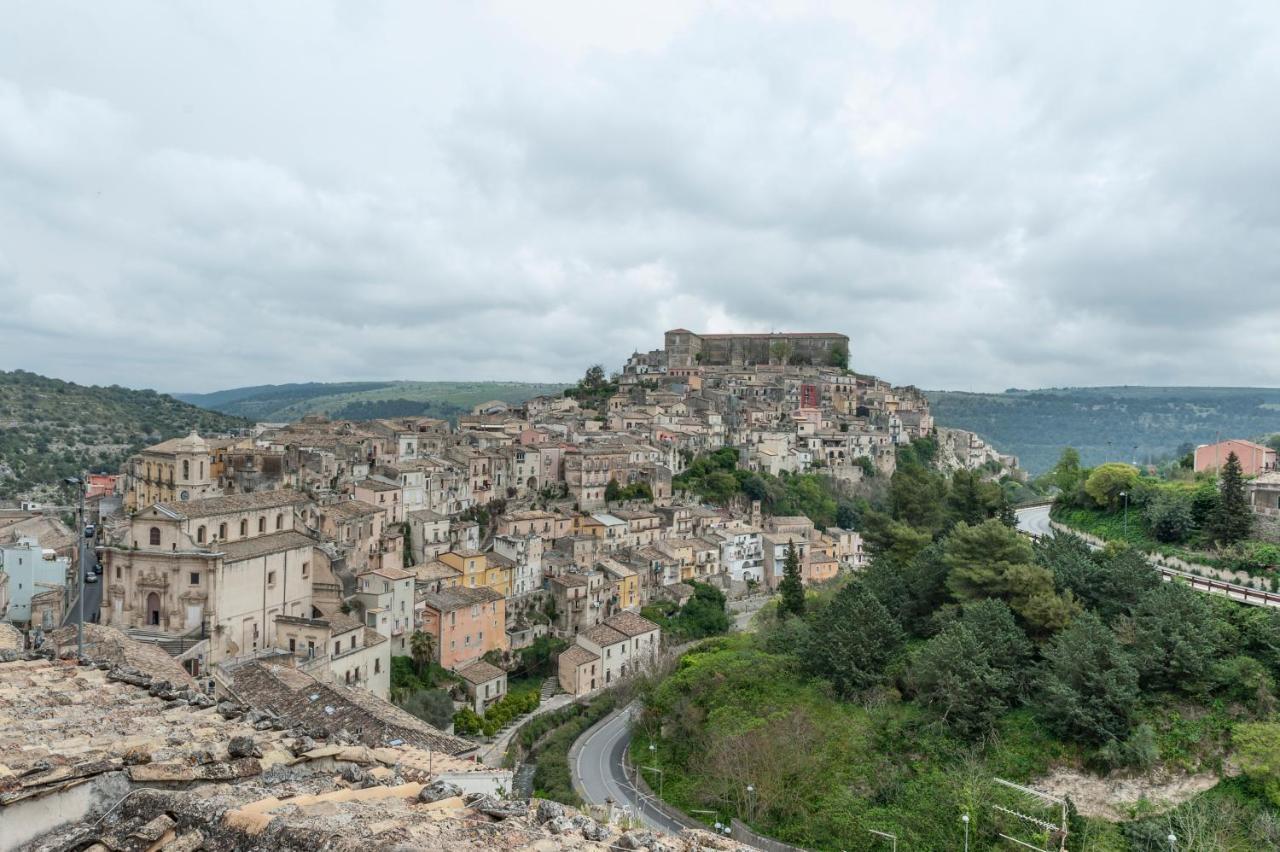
(1125, 495)
(1173, 842)
(964, 818)
(751, 797)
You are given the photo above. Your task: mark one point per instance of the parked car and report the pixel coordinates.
(89, 531)
(97, 568)
(91, 578)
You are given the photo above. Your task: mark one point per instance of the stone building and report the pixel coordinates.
(685, 348)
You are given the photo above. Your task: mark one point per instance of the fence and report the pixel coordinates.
(768, 844)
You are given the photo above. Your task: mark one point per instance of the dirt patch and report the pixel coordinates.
(1113, 798)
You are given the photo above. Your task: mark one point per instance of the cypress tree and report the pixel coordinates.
(1232, 520)
(791, 589)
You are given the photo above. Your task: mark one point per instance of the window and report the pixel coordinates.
(279, 522)
(353, 643)
(117, 572)
(306, 570)
(262, 524)
(244, 528)
(377, 666)
(293, 644)
(200, 534)
(155, 535)
(271, 578)
(186, 469)
(195, 578)
(222, 531)
(337, 648)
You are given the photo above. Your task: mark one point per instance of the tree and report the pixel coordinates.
(780, 351)
(953, 677)
(1108, 481)
(1088, 687)
(911, 590)
(433, 706)
(1169, 516)
(1231, 520)
(612, 491)
(980, 558)
(853, 640)
(839, 355)
(1006, 644)
(971, 500)
(1258, 753)
(1176, 637)
(916, 496)
(422, 647)
(593, 379)
(791, 588)
(886, 537)
(1066, 474)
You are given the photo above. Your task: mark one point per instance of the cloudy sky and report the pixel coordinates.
(205, 195)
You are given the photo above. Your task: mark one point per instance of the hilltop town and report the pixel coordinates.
(297, 559)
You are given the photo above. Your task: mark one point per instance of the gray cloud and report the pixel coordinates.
(196, 196)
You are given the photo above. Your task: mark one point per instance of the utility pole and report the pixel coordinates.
(78, 483)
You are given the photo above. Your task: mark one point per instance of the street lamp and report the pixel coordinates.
(964, 818)
(1125, 495)
(1173, 841)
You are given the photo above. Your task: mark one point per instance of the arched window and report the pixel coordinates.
(222, 531)
(186, 469)
(279, 522)
(262, 524)
(200, 535)
(155, 535)
(244, 528)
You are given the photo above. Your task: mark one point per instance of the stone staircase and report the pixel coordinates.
(550, 687)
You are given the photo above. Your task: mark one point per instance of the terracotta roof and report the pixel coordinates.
(231, 503)
(630, 623)
(348, 510)
(603, 634)
(250, 548)
(391, 573)
(480, 672)
(576, 655)
(457, 597)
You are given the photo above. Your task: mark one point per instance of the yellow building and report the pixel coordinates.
(624, 585)
(476, 570)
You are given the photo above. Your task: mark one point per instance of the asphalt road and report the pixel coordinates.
(92, 591)
(1034, 520)
(598, 765)
(599, 770)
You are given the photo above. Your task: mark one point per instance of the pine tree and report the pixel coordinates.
(1231, 520)
(791, 589)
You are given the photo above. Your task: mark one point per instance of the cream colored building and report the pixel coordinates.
(180, 469)
(222, 567)
(337, 649)
(620, 646)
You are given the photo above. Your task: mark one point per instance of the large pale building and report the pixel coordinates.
(224, 567)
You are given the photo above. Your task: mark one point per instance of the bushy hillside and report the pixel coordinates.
(50, 429)
(1035, 425)
(365, 400)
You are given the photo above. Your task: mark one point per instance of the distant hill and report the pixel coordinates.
(51, 429)
(364, 400)
(1036, 424)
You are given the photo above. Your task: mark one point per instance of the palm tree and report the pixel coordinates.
(422, 647)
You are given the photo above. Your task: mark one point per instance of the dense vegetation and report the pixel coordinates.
(50, 429)
(1108, 423)
(701, 616)
(964, 653)
(716, 478)
(1200, 518)
(358, 400)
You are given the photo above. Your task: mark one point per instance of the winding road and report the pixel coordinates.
(1034, 520)
(598, 767)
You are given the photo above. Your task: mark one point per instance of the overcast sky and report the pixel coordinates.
(196, 196)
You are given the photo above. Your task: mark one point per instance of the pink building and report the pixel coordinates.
(465, 623)
(1254, 458)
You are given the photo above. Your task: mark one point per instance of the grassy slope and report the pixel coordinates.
(50, 429)
(290, 402)
(1036, 425)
